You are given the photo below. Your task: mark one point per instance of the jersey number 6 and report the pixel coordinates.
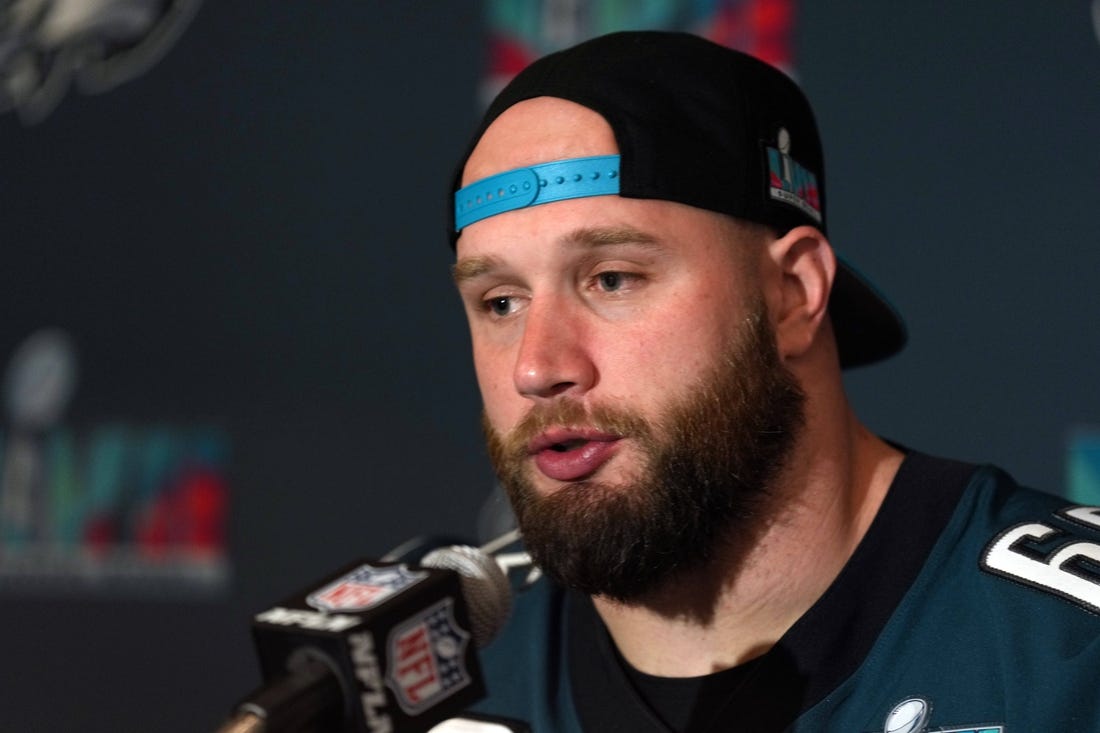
(1071, 570)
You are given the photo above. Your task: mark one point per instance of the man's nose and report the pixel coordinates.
(554, 358)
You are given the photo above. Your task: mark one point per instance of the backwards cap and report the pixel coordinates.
(696, 123)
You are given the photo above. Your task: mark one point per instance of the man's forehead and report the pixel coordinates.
(654, 230)
(539, 130)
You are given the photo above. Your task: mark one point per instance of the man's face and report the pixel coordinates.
(634, 403)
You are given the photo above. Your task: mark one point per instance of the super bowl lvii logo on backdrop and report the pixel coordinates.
(109, 504)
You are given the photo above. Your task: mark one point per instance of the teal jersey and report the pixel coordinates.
(971, 604)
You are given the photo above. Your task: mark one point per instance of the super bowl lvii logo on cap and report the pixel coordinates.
(789, 182)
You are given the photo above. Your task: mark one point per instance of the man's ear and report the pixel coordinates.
(806, 265)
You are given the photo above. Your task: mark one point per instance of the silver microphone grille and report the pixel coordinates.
(485, 587)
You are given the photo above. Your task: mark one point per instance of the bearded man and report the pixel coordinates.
(659, 325)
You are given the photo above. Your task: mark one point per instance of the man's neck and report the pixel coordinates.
(744, 601)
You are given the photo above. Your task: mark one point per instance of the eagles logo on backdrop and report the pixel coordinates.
(98, 44)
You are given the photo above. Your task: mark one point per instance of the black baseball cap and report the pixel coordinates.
(699, 124)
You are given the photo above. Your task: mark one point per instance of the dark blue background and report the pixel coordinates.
(251, 235)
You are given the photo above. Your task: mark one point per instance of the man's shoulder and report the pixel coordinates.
(1040, 543)
(1001, 625)
(1032, 539)
(985, 496)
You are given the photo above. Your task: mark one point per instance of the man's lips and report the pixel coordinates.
(570, 454)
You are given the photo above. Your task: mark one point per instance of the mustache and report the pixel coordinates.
(567, 413)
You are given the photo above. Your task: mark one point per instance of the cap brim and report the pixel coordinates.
(868, 328)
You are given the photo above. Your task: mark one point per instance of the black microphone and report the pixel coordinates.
(378, 646)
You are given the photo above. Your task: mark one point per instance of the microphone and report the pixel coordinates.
(379, 646)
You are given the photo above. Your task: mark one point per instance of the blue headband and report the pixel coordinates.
(538, 184)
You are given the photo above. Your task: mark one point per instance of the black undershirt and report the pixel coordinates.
(820, 651)
(679, 701)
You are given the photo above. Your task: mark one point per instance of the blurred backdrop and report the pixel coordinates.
(233, 358)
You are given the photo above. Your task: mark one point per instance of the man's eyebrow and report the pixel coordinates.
(593, 237)
(473, 267)
(609, 236)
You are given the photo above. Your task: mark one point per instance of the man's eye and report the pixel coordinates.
(612, 281)
(501, 306)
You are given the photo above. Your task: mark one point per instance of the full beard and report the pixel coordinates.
(707, 468)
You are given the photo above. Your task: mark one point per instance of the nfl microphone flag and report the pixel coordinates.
(401, 636)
